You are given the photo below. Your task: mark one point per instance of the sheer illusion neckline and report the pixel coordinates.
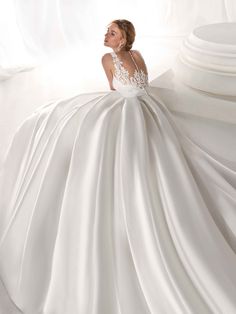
(138, 79)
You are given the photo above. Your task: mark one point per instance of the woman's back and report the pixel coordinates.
(128, 67)
(128, 63)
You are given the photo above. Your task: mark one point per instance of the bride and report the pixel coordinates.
(108, 207)
(121, 64)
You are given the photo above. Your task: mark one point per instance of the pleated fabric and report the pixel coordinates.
(108, 207)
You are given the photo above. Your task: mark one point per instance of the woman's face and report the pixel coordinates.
(113, 36)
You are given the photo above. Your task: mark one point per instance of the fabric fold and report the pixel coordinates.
(110, 206)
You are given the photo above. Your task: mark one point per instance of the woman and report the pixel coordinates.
(108, 207)
(120, 37)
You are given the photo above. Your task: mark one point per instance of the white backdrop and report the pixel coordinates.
(58, 45)
(30, 28)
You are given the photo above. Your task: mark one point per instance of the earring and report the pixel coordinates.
(121, 45)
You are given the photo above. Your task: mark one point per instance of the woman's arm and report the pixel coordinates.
(107, 64)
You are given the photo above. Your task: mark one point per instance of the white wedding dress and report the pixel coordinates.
(109, 207)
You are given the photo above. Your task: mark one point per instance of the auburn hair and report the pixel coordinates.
(128, 31)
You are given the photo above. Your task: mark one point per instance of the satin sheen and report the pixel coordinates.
(108, 207)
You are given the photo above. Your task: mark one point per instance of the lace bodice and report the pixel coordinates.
(138, 80)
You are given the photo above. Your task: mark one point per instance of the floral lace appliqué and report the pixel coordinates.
(139, 78)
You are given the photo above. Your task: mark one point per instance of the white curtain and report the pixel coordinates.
(61, 42)
(31, 29)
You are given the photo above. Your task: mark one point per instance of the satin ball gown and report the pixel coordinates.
(109, 207)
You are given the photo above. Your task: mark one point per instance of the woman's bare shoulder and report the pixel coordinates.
(137, 53)
(140, 60)
(106, 58)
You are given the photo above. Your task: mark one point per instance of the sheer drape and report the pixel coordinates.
(30, 29)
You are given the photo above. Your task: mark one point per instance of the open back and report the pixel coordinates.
(128, 73)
